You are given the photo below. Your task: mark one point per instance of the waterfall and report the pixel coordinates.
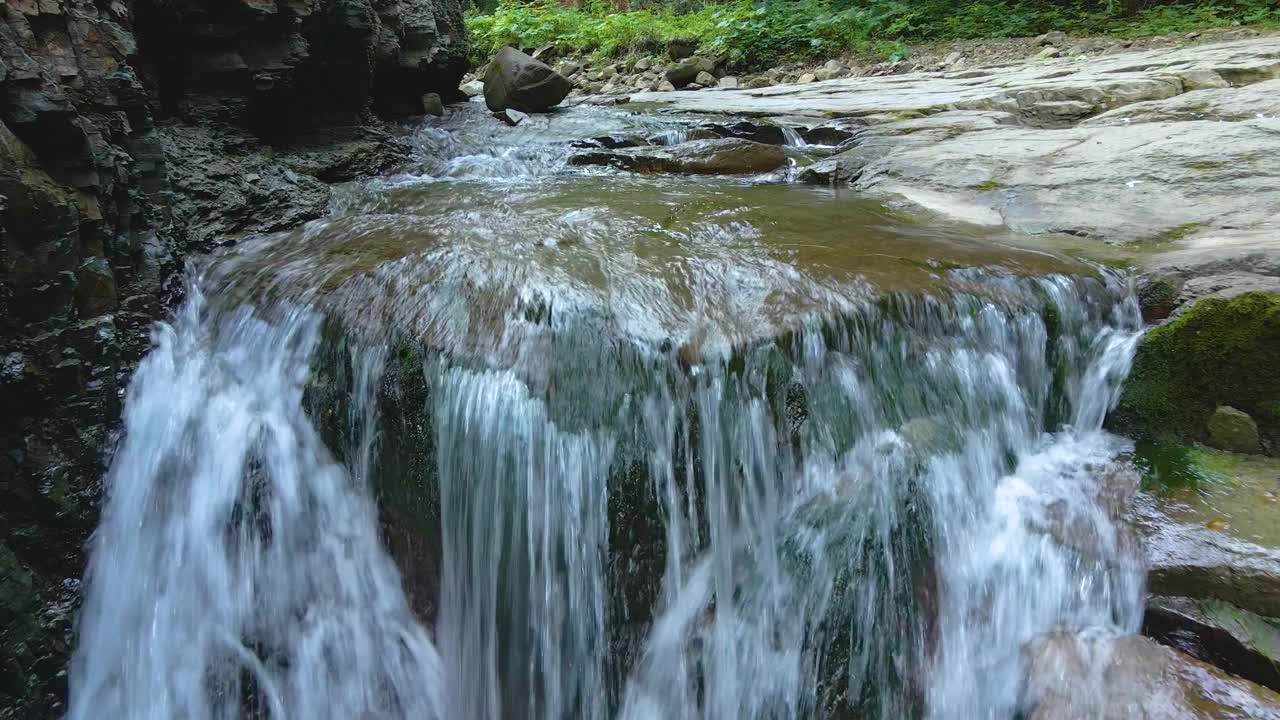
(693, 478)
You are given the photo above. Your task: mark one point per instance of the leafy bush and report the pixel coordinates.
(765, 32)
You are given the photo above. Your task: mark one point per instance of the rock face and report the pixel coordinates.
(1243, 644)
(517, 81)
(1133, 678)
(131, 133)
(1220, 352)
(699, 157)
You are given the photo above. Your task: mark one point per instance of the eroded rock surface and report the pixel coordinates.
(131, 133)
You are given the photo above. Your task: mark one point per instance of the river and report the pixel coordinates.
(505, 438)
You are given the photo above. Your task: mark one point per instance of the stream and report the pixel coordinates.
(503, 438)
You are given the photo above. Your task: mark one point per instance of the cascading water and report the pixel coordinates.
(675, 465)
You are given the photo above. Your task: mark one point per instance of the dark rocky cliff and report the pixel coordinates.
(133, 132)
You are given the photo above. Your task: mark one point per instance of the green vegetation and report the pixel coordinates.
(762, 33)
(1220, 352)
(1165, 467)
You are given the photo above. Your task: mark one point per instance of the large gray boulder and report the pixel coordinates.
(520, 82)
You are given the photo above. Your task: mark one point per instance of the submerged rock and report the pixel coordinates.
(1219, 352)
(1134, 677)
(517, 81)
(700, 157)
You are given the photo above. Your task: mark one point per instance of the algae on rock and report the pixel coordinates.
(1220, 352)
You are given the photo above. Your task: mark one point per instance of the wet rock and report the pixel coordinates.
(1237, 641)
(1203, 563)
(840, 169)
(1130, 677)
(1234, 431)
(1220, 352)
(700, 157)
(473, 88)
(517, 81)
(511, 117)
(432, 104)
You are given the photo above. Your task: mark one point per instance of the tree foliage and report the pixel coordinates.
(764, 32)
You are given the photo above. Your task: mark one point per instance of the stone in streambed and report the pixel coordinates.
(432, 104)
(1233, 430)
(473, 88)
(511, 117)
(700, 157)
(517, 81)
(688, 70)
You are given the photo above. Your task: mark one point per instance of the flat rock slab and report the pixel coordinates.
(1103, 82)
(1139, 149)
(1134, 678)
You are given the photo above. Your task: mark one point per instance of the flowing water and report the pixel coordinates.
(502, 438)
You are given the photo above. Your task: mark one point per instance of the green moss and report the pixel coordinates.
(1220, 352)
(989, 186)
(1206, 165)
(1177, 233)
(1178, 466)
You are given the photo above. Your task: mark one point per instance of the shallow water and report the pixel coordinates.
(503, 438)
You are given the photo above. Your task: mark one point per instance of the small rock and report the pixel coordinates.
(595, 76)
(1049, 52)
(807, 78)
(705, 79)
(473, 88)
(1057, 37)
(432, 104)
(827, 74)
(728, 81)
(1233, 430)
(609, 73)
(643, 64)
(760, 81)
(511, 117)
(568, 67)
(665, 86)
(835, 65)
(953, 58)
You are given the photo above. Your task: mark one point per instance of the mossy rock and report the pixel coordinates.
(1220, 352)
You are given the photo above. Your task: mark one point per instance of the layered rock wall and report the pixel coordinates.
(131, 133)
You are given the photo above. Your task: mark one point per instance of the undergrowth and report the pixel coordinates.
(762, 33)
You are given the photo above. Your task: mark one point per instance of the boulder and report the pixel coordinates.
(687, 71)
(1057, 37)
(472, 88)
(700, 157)
(1234, 431)
(517, 81)
(807, 78)
(728, 82)
(705, 79)
(681, 48)
(432, 104)
(1219, 352)
(1128, 677)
